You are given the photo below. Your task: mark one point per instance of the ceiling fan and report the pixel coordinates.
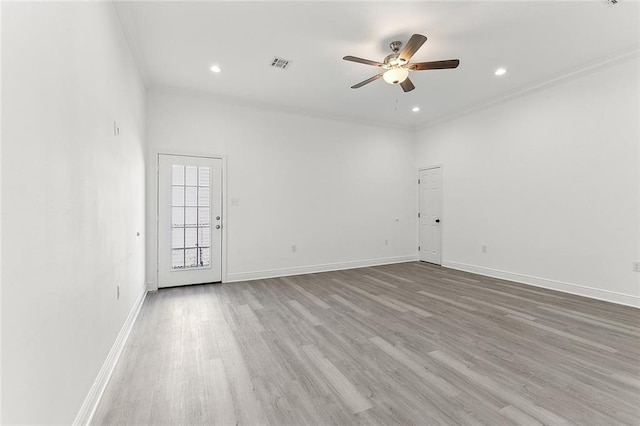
(397, 66)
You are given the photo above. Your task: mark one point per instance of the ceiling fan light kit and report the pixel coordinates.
(397, 65)
(395, 75)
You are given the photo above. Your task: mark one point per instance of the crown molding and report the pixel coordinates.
(265, 106)
(576, 73)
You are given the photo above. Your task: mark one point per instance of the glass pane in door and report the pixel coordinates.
(191, 226)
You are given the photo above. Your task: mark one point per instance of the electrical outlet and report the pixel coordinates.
(294, 248)
(118, 292)
(636, 266)
(386, 242)
(483, 248)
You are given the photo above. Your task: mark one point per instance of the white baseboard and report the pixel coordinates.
(580, 290)
(311, 269)
(90, 403)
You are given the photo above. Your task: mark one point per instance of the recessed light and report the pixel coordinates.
(500, 71)
(415, 109)
(216, 69)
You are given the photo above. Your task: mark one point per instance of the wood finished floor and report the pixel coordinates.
(410, 343)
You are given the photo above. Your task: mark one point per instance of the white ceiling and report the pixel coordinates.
(175, 43)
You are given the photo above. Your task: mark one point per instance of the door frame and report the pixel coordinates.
(421, 169)
(223, 196)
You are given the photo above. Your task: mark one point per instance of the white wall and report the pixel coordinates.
(332, 188)
(73, 198)
(0, 214)
(549, 182)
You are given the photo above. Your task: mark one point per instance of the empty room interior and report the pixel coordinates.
(332, 212)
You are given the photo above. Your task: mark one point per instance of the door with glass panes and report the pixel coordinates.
(189, 220)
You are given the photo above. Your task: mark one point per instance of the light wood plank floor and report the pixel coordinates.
(399, 344)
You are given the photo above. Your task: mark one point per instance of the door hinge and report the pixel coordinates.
(418, 214)
(418, 181)
(418, 248)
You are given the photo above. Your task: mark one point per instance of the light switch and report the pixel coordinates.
(235, 201)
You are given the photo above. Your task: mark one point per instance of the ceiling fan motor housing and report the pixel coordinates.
(393, 60)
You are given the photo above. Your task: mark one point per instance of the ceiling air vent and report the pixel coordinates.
(280, 63)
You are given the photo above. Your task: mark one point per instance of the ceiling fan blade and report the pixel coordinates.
(362, 61)
(435, 65)
(412, 46)
(367, 81)
(407, 85)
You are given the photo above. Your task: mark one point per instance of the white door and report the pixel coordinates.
(430, 215)
(189, 220)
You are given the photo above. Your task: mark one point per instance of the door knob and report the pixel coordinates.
(217, 226)
(217, 217)
(437, 220)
